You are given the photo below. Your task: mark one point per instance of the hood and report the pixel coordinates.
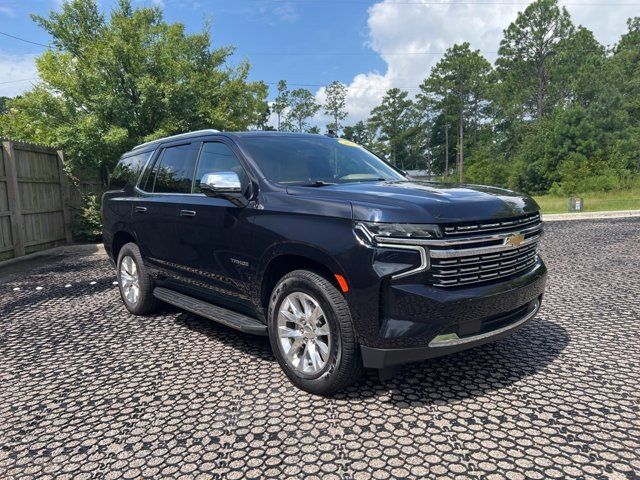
(423, 202)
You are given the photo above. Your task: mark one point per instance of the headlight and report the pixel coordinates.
(375, 232)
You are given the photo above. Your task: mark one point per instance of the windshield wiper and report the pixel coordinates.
(362, 180)
(317, 183)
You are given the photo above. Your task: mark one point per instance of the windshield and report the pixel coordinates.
(316, 161)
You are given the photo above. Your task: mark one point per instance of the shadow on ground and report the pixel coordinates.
(472, 373)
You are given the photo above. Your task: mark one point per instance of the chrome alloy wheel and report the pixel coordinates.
(304, 333)
(129, 280)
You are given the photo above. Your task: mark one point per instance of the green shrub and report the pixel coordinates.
(87, 225)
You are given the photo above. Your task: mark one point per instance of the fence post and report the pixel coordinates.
(13, 194)
(65, 197)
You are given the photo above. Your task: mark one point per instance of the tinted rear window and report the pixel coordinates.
(175, 173)
(128, 170)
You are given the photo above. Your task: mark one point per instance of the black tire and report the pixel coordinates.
(146, 302)
(344, 366)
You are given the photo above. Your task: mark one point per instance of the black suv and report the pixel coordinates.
(343, 261)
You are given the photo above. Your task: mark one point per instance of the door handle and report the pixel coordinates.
(187, 213)
(140, 209)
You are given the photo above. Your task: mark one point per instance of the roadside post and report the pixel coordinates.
(576, 204)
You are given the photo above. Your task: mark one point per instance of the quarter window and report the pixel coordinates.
(128, 170)
(175, 171)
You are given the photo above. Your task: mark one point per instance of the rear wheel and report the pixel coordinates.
(134, 283)
(312, 335)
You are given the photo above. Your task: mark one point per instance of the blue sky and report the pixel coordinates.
(370, 46)
(275, 36)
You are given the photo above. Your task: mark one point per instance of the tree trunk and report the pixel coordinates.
(104, 176)
(461, 151)
(446, 151)
(540, 93)
(393, 153)
(475, 122)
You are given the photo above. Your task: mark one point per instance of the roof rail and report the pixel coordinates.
(177, 137)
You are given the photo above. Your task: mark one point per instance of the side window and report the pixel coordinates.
(128, 170)
(218, 157)
(174, 172)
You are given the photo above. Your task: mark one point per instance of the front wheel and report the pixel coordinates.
(312, 335)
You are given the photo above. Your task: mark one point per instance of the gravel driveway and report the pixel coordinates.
(90, 391)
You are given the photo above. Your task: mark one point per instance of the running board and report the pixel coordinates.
(218, 314)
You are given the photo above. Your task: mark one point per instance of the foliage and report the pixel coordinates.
(558, 113)
(281, 103)
(3, 105)
(530, 83)
(303, 106)
(335, 105)
(457, 90)
(87, 224)
(392, 118)
(110, 83)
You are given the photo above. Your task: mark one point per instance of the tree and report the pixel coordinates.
(457, 89)
(3, 104)
(335, 104)
(626, 68)
(262, 117)
(303, 107)
(364, 134)
(281, 103)
(526, 65)
(392, 118)
(110, 83)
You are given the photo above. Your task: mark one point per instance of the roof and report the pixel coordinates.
(176, 137)
(270, 133)
(252, 133)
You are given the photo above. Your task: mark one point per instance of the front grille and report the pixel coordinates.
(491, 226)
(474, 253)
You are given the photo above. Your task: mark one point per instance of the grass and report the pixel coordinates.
(593, 201)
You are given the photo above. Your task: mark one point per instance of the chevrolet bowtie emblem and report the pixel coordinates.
(514, 240)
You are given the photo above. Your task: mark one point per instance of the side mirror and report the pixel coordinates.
(223, 185)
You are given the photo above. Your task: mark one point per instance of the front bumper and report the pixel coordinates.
(443, 344)
(420, 321)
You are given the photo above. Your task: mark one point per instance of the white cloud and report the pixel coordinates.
(286, 13)
(405, 27)
(19, 73)
(8, 11)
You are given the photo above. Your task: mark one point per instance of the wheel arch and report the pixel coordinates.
(295, 257)
(120, 239)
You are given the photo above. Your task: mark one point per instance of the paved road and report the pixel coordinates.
(89, 391)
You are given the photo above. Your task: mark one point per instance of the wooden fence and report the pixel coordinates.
(36, 199)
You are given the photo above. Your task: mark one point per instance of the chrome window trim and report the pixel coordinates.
(153, 194)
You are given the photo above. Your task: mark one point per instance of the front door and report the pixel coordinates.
(215, 236)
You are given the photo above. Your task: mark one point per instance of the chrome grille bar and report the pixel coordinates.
(492, 225)
(483, 252)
